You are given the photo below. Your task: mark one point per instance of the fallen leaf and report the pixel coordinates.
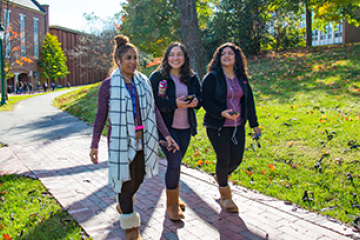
(6, 237)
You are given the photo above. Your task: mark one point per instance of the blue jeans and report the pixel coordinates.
(182, 138)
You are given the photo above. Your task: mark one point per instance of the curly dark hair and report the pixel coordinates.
(240, 60)
(185, 71)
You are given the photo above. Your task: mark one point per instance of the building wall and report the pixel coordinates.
(351, 33)
(23, 70)
(80, 72)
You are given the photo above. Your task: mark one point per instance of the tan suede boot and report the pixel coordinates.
(172, 202)
(226, 200)
(133, 234)
(130, 223)
(181, 203)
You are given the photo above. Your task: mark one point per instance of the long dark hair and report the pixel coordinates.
(240, 60)
(121, 46)
(185, 70)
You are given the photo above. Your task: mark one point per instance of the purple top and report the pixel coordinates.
(102, 114)
(234, 94)
(180, 114)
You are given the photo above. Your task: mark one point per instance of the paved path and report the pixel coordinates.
(62, 164)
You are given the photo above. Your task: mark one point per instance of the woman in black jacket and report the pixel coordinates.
(178, 96)
(229, 103)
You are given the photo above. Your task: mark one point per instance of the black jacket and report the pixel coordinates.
(167, 104)
(214, 91)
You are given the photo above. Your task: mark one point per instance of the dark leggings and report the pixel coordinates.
(182, 138)
(229, 155)
(129, 188)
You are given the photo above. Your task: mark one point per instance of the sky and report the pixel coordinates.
(69, 13)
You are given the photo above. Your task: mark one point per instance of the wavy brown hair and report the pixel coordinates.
(121, 46)
(185, 71)
(240, 60)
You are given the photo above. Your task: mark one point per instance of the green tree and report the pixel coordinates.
(240, 22)
(325, 12)
(52, 59)
(151, 25)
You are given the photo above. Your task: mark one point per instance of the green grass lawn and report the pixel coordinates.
(29, 211)
(308, 107)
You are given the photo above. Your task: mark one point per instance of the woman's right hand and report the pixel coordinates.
(94, 155)
(180, 103)
(226, 114)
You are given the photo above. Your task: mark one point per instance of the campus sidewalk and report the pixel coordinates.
(64, 167)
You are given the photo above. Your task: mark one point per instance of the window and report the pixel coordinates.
(315, 35)
(329, 31)
(23, 35)
(36, 38)
(7, 32)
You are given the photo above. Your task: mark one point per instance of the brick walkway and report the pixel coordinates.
(64, 167)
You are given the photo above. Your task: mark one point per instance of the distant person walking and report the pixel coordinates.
(45, 86)
(30, 88)
(53, 86)
(132, 135)
(38, 85)
(229, 104)
(176, 102)
(68, 85)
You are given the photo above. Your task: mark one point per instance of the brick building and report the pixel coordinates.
(82, 69)
(26, 22)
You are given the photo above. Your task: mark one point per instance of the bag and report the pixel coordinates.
(139, 143)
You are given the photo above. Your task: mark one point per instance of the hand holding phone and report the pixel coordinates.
(189, 98)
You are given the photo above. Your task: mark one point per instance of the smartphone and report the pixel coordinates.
(234, 113)
(190, 97)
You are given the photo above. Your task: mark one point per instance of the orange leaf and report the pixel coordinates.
(207, 162)
(1, 226)
(289, 143)
(263, 172)
(249, 173)
(199, 162)
(6, 237)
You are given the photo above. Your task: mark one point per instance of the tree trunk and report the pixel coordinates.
(308, 26)
(191, 35)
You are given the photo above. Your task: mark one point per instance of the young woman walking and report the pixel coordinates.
(176, 91)
(229, 104)
(132, 136)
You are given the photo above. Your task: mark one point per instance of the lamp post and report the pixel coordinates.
(3, 94)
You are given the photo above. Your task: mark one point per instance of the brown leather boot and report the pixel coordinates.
(130, 223)
(172, 204)
(226, 200)
(181, 203)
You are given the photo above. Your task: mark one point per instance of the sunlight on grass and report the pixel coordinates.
(29, 211)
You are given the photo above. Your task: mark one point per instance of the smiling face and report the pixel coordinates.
(227, 57)
(176, 58)
(128, 62)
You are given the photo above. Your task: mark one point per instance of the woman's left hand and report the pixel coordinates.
(172, 145)
(193, 103)
(256, 131)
